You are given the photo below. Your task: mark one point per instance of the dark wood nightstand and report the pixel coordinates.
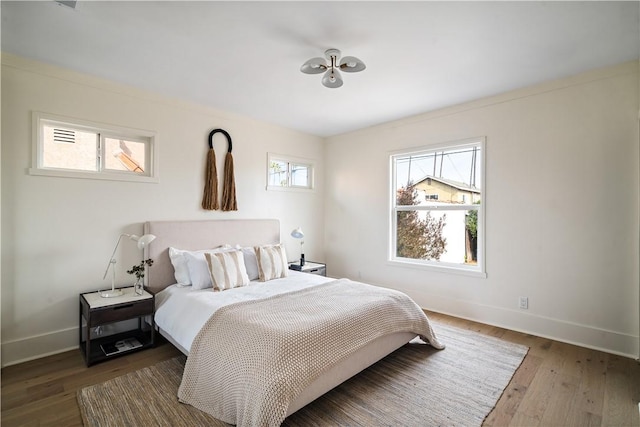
(96, 312)
(310, 267)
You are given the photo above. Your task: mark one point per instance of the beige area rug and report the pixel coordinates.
(414, 386)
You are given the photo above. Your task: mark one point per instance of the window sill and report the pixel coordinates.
(446, 268)
(294, 189)
(93, 175)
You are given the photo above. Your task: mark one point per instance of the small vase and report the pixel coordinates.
(138, 287)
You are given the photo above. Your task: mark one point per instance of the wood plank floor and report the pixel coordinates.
(556, 385)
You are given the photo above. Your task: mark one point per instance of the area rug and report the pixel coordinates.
(414, 386)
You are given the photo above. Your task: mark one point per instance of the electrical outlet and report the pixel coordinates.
(524, 303)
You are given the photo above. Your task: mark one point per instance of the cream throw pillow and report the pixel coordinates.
(272, 262)
(227, 270)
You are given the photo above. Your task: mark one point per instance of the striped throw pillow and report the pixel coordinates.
(272, 262)
(227, 270)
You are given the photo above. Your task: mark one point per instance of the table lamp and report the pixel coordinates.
(142, 242)
(298, 234)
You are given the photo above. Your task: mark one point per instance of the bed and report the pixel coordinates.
(183, 314)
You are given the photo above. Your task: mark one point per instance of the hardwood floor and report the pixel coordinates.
(556, 385)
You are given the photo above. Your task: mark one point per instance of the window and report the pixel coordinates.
(437, 214)
(80, 149)
(285, 172)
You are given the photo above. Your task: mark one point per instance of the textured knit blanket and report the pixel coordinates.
(252, 358)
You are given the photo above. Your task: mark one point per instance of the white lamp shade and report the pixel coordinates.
(297, 233)
(143, 240)
(314, 66)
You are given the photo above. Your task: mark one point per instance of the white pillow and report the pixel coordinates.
(181, 272)
(227, 270)
(198, 268)
(250, 262)
(272, 262)
(179, 262)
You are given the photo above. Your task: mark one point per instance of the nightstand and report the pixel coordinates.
(96, 312)
(310, 267)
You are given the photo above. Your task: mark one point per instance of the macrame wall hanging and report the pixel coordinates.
(210, 197)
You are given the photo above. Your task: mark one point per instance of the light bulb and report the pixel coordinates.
(351, 64)
(314, 66)
(332, 79)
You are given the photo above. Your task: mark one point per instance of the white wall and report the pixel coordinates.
(561, 200)
(561, 195)
(58, 233)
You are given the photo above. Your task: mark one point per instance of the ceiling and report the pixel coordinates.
(245, 57)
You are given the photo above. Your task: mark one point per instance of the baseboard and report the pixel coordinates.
(35, 347)
(608, 341)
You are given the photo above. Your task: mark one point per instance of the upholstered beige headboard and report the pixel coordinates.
(193, 235)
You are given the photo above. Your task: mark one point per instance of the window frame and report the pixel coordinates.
(479, 270)
(149, 138)
(290, 160)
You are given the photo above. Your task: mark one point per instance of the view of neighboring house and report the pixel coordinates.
(447, 191)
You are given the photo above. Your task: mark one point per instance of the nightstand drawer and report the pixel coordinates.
(320, 271)
(123, 311)
(310, 267)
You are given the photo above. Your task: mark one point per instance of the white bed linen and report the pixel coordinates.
(182, 311)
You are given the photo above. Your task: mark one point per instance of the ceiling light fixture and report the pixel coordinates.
(331, 70)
